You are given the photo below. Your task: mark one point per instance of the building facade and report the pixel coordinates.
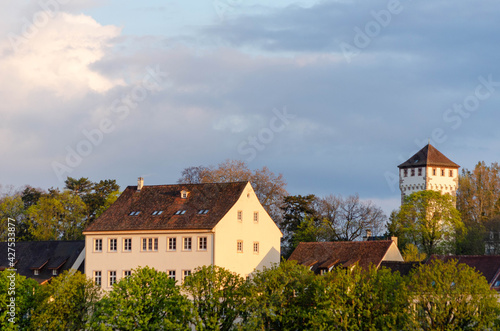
(177, 228)
(428, 169)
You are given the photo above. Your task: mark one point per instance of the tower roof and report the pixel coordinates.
(428, 156)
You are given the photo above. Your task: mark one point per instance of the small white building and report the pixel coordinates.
(176, 228)
(428, 169)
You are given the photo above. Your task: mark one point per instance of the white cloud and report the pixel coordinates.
(55, 57)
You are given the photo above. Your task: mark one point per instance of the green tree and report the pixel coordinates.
(67, 303)
(358, 299)
(58, 216)
(429, 220)
(146, 300)
(25, 293)
(283, 298)
(11, 207)
(218, 297)
(296, 209)
(452, 296)
(411, 254)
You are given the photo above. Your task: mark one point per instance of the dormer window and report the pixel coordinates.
(134, 213)
(180, 212)
(54, 272)
(184, 194)
(36, 272)
(157, 212)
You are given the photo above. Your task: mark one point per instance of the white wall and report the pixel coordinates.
(229, 230)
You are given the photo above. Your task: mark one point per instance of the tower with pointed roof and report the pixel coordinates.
(428, 169)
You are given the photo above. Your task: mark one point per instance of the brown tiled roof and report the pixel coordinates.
(487, 265)
(217, 198)
(404, 268)
(324, 255)
(428, 156)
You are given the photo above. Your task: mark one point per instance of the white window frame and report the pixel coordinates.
(96, 241)
(98, 277)
(185, 242)
(127, 244)
(54, 272)
(239, 215)
(239, 246)
(111, 278)
(256, 217)
(149, 244)
(110, 245)
(171, 274)
(202, 243)
(171, 244)
(36, 272)
(256, 247)
(127, 273)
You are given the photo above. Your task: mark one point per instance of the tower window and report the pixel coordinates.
(451, 173)
(405, 171)
(420, 171)
(442, 172)
(434, 171)
(412, 172)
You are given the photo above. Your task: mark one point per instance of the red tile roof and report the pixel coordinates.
(324, 255)
(428, 156)
(217, 198)
(487, 265)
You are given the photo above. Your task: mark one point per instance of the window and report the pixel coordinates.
(157, 212)
(127, 273)
(97, 245)
(97, 278)
(405, 171)
(112, 278)
(203, 211)
(413, 172)
(497, 283)
(112, 244)
(239, 246)
(127, 244)
(187, 243)
(442, 172)
(172, 244)
(202, 243)
(149, 244)
(134, 213)
(186, 273)
(240, 215)
(420, 171)
(256, 216)
(451, 173)
(54, 272)
(256, 247)
(36, 272)
(171, 274)
(184, 194)
(180, 212)
(434, 172)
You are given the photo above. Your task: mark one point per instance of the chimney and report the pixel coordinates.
(140, 184)
(395, 239)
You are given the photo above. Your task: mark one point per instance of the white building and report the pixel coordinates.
(176, 228)
(428, 169)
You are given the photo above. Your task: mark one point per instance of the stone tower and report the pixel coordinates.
(429, 169)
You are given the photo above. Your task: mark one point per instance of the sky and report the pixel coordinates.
(334, 95)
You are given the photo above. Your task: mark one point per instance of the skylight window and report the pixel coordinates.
(180, 212)
(157, 212)
(203, 211)
(134, 213)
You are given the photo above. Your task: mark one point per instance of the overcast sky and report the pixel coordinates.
(332, 94)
